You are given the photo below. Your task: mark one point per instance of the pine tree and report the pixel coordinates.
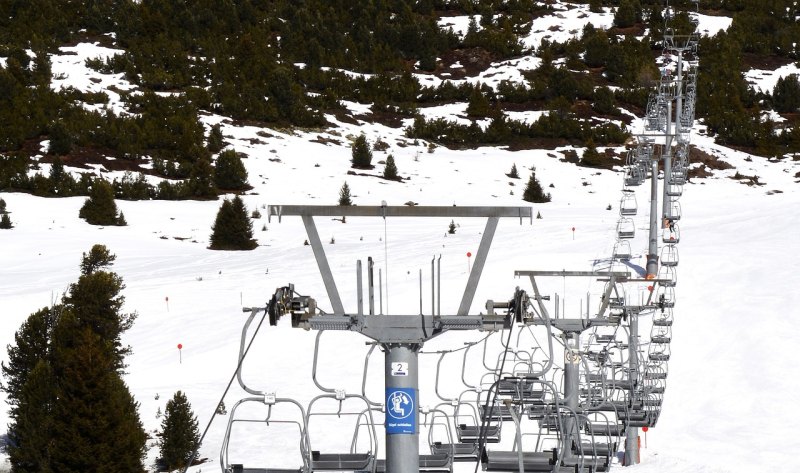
(60, 139)
(596, 6)
(786, 94)
(478, 105)
(100, 208)
(230, 173)
(71, 411)
(344, 195)
(232, 229)
(451, 229)
(96, 425)
(533, 191)
(361, 153)
(95, 301)
(201, 180)
(2, 206)
(180, 435)
(625, 15)
(28, 387)
(390, 171)
(513, 174)
(5, 222)
(215, 139)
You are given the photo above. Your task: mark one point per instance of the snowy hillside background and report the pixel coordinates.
(733, 373)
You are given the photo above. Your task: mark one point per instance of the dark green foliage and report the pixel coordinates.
(596, 6)
(533, 191)
(95, 301)
(478, 106)
(5, 222)
(591, 157)
(60, 139)
(513, 174)
(604, 101)
(344, 195)
(786, 95)
(96, 425)
(70, 409)
(230, 173)
(180, 435)
(2, 206)
(451, 229)
(215, 139)
(98, 258)
(232, 229)
(201, 180)
(626, 13)
(390, 170)
(100, 208)
(133, 187)
(361, 153)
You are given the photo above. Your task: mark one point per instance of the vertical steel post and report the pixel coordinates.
(571, 388)
(402, 410)
(632, 433)
(652, 252)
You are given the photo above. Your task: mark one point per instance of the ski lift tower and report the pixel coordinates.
(401, 336)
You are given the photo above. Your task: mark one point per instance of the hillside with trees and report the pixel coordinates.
(283, 64)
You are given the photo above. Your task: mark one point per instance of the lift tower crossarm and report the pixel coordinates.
(308, 212)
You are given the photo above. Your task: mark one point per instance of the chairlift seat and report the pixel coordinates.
(436, 463)
(596, 449)
(509, 461)
(662, 322)
(655, 375)
(340, 461)
(461, 452)
(602, 428)
(238, 468)
(660, 339)
(659, 356)
(495, 412)
(471, 433)
(623, 384)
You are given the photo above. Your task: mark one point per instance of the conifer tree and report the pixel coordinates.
(60, 139)
(451, 229)
(71, 411)
(626, 14)
(2, 206)
(215, 139)
(180, 435)
(232, 229)
(100, 208)
(230, 173)
(478, 105)
(96, 425)
(786, 94)
(533, 191)
(5, 222)
(390, 171)
(344, 195)
(201, 180)
(513, 174)
(361, 153)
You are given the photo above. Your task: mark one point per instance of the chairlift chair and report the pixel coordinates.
(671, 234)
(627, 204)
(272, 403)
(669, 256)
(622, 250)
(350, 460)
(626, 229)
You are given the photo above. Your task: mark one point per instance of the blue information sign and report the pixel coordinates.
(401, 413)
